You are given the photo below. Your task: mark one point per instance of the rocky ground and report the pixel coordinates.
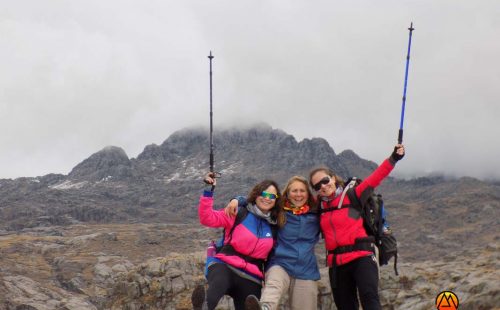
(156, 266)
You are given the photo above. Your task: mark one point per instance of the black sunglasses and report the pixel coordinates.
(323, 181)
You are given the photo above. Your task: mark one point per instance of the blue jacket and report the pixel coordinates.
(294, 250)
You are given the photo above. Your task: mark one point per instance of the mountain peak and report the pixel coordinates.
(111, 161)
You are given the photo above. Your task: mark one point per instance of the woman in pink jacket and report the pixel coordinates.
(236, 268)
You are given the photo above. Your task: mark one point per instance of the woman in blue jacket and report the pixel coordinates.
(292, 266)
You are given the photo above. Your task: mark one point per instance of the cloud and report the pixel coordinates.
(77, 76)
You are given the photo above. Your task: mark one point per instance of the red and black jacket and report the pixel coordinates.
(342, 226)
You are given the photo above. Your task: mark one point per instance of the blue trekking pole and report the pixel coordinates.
(400, 135)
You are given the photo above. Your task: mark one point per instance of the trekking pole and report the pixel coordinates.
(214, 174)
(400, 135)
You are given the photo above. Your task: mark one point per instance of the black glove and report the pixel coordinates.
(395, 156)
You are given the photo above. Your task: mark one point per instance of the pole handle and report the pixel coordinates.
(400, 136)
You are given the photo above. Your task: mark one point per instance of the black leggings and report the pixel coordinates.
(223, 281)
(359, 275)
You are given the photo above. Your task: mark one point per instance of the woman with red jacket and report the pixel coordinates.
(237, 267)
(342, 226)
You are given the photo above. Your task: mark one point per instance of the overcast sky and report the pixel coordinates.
(76, 76)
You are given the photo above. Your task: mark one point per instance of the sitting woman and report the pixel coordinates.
(292, 267)
(237, 267)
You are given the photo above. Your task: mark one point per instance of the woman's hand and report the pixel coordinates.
(398, 153)
(231, 208)
(210, 179)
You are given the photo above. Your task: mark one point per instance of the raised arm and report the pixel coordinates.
(208, 216)
(382, 171)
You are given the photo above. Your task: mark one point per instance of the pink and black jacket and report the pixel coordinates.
(252, 237)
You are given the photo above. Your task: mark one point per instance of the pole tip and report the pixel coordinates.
(411, 27)
(210, 56)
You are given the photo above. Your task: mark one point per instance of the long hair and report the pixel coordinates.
(258, 189)
(338, 180)
(310, 198)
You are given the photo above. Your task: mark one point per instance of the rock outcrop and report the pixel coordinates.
(105, 267)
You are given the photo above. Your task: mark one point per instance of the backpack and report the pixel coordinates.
(219, 245)
(374, 221)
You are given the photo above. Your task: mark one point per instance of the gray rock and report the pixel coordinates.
(103, 271)
(24, 293)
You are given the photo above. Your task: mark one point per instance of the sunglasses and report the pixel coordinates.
(323, 181)
(269, 195)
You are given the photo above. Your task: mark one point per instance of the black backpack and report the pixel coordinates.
(371, 208)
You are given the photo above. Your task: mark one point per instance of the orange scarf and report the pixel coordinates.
(296, 210)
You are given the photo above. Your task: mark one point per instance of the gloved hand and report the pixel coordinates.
(398, 153)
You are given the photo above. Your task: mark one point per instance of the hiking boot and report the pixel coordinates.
(198, 297)
(252, 303)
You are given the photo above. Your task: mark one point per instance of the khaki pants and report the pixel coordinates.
(303, 294)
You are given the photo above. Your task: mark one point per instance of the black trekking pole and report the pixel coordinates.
(214, 174)
(400, 135)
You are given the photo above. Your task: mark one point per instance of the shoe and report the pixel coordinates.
(198, 297)
(252, 303)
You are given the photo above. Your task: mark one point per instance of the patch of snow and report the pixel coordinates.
(231, 169)
(189, 174)
(193, 173)
(68, 185)
(176, 176)
(105, 179)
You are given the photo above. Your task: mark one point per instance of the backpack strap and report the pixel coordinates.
(229, 250)
(350, 185)
(361, 244)
(240, 216)
(345, 192)
(329, 209)
(395, 264)
(274, 231)
(353, 198)
(342, 198)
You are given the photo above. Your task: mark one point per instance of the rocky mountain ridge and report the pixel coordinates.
(163, 183)
(163, 180)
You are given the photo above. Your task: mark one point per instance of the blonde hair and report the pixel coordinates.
(310, 198)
